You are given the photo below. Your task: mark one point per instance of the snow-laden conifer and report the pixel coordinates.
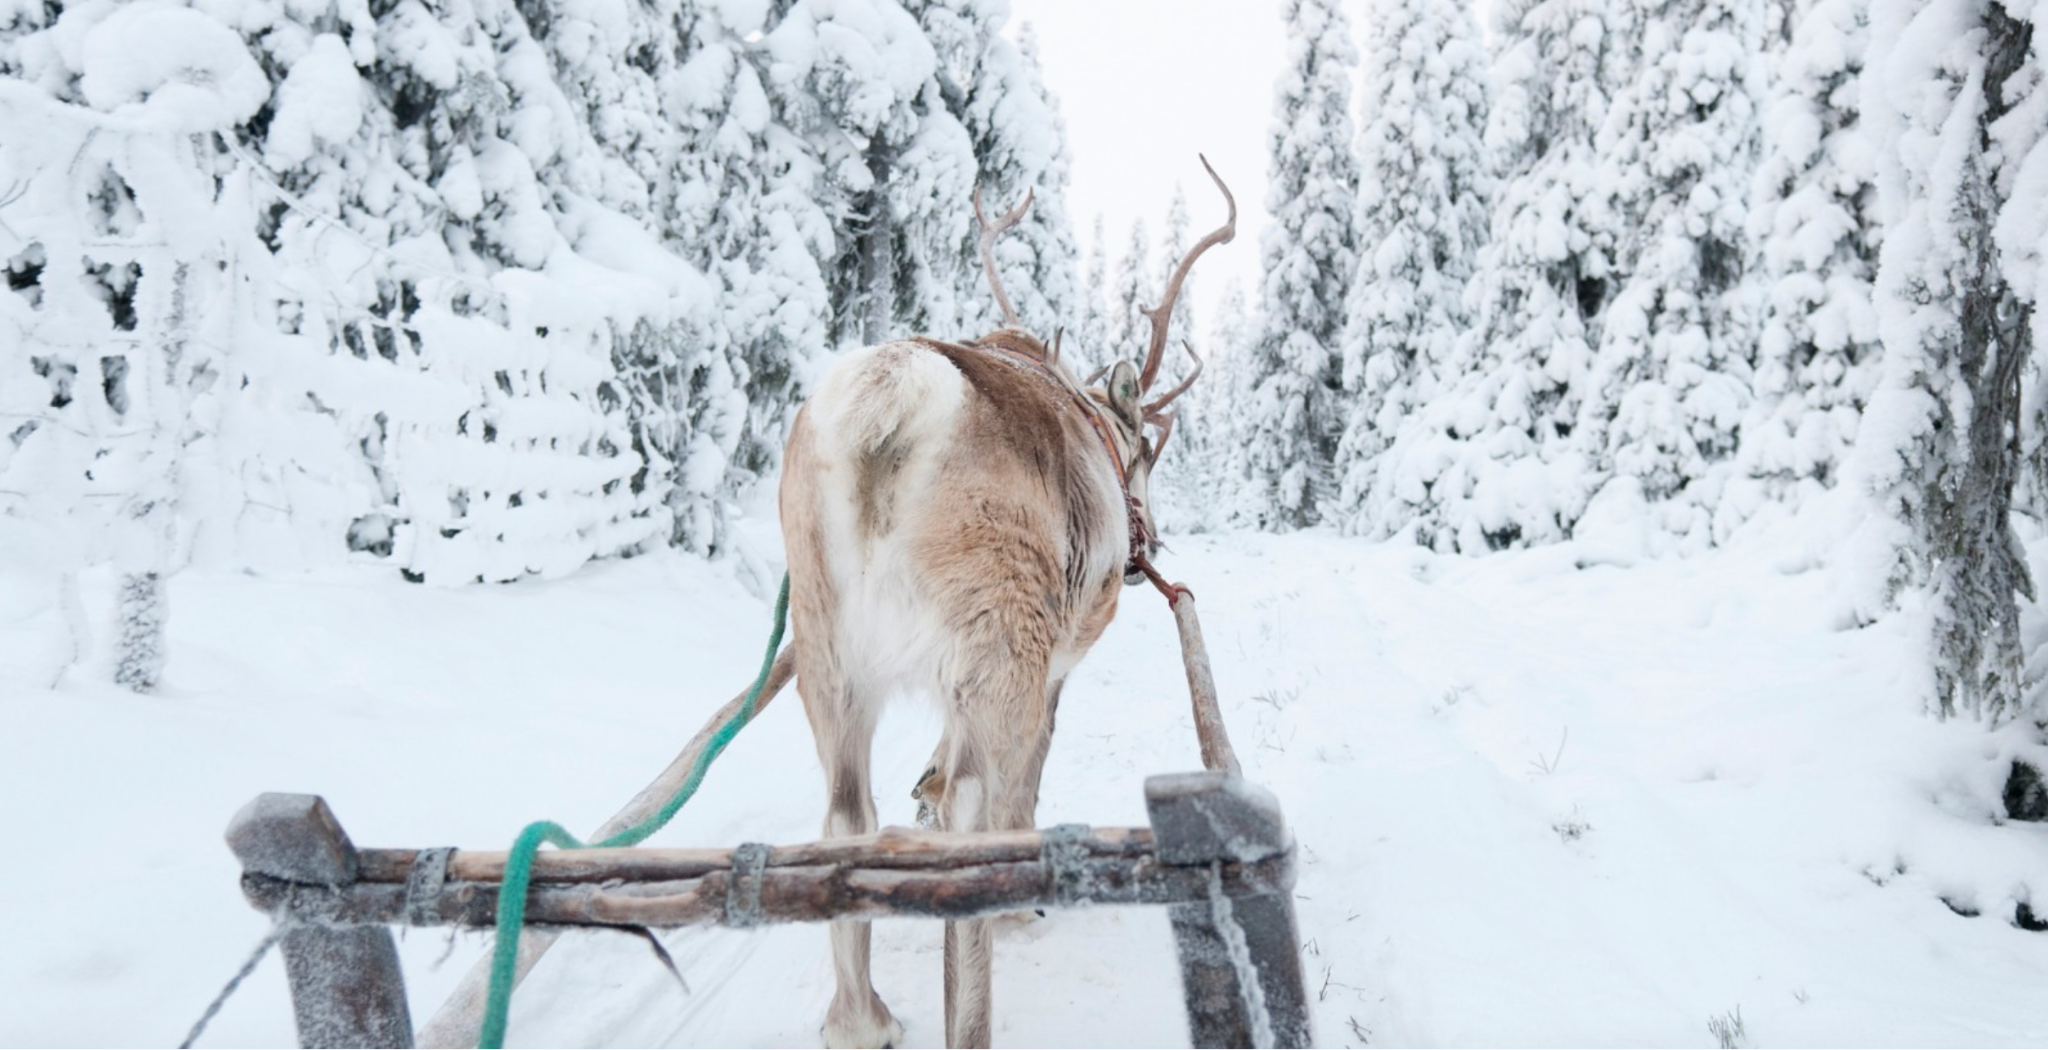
(1308, 258)
(1093, 335)
(1490, 463)
(1424, 185)
(1935, 457)
(1813, 233)
(1129, 293)
(1669, 382)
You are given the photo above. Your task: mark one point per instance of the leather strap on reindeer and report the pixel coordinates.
(1161, 317)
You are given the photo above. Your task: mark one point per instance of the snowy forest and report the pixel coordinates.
(484, 290)
(491, 292)
(1678, 267)
(487, 290)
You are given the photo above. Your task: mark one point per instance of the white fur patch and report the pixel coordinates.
(905, 395)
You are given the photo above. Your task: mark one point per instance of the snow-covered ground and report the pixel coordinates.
(1542, 798)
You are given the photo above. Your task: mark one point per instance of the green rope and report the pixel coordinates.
(519, 866)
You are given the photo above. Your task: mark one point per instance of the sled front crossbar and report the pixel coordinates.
(1218, 855)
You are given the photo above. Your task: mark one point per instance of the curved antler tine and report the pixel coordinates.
(1166, 399)
(1165, 425)
(988, 244)
(1162, 315)
(1095, 376)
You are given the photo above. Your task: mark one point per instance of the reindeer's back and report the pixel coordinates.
(929, 484)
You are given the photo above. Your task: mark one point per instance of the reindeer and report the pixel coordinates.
(958, 517)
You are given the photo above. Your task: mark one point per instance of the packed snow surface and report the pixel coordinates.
(1550, 797)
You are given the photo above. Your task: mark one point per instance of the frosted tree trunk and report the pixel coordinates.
(1938, 451)
(1980, 567)
(142, 616)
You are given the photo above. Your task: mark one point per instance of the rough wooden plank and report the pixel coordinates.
(1217, 754)
(787, 894)
(888, 848)
(347, 988)
(1240, 955)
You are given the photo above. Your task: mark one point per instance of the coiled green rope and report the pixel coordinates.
(519, 866)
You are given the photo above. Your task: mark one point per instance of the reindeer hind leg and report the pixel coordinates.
(843, 723)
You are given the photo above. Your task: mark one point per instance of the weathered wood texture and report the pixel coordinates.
(1218, 854)
(460, 1019)
(892, 874)
(1217, 754)
(347, 988)
(1240, 954)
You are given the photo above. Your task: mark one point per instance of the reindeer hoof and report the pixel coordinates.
(863, 1031)
(924, 780)
(927, 791)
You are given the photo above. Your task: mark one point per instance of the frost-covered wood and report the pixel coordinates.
(347, 989)
(1217, 754)
(1219, 854)
(1240, 955)
(896, 872)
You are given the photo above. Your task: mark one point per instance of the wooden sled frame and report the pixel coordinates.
(1218, 855)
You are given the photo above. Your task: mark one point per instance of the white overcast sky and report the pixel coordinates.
(1145, 85)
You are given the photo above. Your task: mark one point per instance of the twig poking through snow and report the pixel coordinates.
(1727, 1029)
(1545, 767)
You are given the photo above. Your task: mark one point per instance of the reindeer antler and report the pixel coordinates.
(1152, 409)
(1162, 315)
(988, 244)
(1165, 425)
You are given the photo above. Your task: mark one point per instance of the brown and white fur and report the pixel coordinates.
(955, 525)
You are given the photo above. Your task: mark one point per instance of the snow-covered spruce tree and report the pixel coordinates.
(1196, 477)
(1174, 243)
(1424, 185)
(742, 206)
(118, 299)
(1937, 451)
(465, 229)
(1491, 464)
(1093, 334)
(2022, 238)
(1670, 375)
(1129, 294)
(855, 79)
(1019, 141)
(1814, 235)
(1309, 255)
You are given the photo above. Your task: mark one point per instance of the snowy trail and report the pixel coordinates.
(1537, 804)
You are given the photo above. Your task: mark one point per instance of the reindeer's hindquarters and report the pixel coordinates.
(866, 461)
(952, 527)
(859, 454)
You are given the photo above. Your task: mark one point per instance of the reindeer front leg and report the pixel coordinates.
(930, 789)
(998, 728)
